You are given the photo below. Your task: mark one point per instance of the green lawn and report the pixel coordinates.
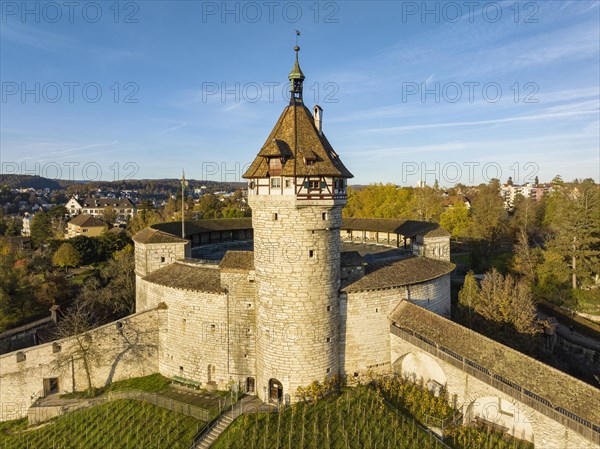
(152, 384)
(123, 424)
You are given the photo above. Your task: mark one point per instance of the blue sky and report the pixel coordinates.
(410, 90)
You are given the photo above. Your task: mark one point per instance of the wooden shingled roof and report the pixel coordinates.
(559, 388)
(187, 277)
(304, 150)
(150, 235)
(407, 228)
(409, 271)
(204, 225)
(87, 221)
(238, 261)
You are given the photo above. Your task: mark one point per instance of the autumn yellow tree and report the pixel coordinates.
(66, 256)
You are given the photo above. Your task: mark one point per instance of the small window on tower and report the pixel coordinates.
(324, 216)
(311, 253)
(275, 216)
(274, 166)
(162, 260)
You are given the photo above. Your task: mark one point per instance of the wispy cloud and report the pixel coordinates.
(173, 128)
(525, 118)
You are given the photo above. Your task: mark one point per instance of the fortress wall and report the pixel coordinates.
(193, 333)
(116, 352)
(432, 295)
(476, 397)
(364, 324)
(241, 290)
(148, 256)
(365, 329)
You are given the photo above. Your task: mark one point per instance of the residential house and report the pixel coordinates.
(73, 207)
(123, 207)
(84, 224)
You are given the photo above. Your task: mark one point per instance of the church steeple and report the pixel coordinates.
(296, 78)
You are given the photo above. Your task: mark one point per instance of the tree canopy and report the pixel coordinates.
(66, 256)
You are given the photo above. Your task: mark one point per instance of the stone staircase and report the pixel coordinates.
(248, 404)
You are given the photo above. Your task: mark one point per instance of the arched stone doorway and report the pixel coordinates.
(501, 415)
(421, 366)
(275, 391)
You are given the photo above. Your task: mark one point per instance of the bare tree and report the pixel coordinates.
(77, 324)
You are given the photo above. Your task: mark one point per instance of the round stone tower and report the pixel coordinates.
(296, 189)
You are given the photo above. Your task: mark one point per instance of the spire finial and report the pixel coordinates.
(296, 76)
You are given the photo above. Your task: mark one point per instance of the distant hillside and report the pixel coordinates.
(38, 182)
(25, 181)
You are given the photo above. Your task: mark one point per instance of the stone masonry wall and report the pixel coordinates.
(241, 293)
(364, 324)
(149, 257)
(206, 336)
(477, 397)
(119, 350)
(297, 263)
(193, 334)
(432, 295)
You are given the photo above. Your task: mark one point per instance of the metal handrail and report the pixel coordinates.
(572, 421)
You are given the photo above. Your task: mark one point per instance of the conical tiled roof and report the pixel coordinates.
(305, 151)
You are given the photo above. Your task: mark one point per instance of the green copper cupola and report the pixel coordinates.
(296, 78)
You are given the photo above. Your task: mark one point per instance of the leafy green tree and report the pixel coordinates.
(507, 302)
(468, 296)
(17, 293)
(207, 206)
(13, 227)
(109, 215)
(66, 256)
(88, 248)
(426, 204)
(573, 217)
(144, 218)
(456, 220)
(58, 214)
(379, 201)
(41, 228)
(40, 264)
(488, 225)
(110, 292)
(525, 260)
(494, 299)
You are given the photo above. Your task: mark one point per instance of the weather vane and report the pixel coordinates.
(297, 34)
